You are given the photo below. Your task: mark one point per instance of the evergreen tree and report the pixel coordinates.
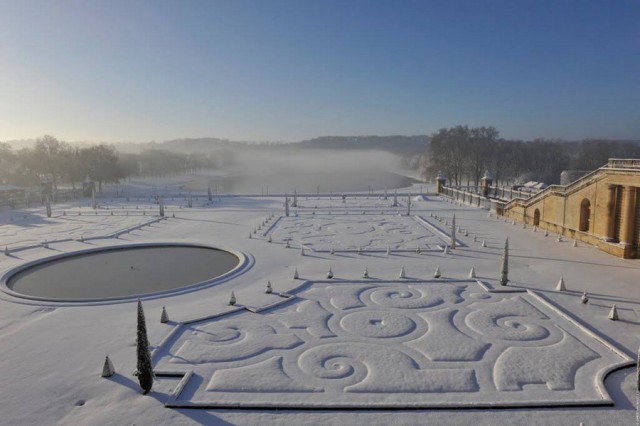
(145, 368)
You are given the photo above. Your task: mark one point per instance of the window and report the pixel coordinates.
(536, 218)
(585, 215)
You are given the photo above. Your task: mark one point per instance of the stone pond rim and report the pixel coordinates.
(124, 272)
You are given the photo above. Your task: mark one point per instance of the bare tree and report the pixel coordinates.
(48, 155)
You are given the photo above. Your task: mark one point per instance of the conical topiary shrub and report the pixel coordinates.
(436, 273)
(107, 368)
(472, 272)
(613, 314)
(402, 273)
(164, 317)
(585, 298)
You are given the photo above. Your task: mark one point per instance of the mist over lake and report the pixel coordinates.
(307, 172)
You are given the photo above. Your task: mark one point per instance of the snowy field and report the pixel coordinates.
(320, 350)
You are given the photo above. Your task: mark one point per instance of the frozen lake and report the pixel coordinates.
(276, 181)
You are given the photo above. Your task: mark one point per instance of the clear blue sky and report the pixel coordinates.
(286, 70)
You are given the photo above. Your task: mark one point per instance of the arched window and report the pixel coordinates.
(585, 215)
(536, 217)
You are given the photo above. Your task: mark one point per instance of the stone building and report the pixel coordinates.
(601, 208)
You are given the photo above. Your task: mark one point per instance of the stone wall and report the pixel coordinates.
(599, 209)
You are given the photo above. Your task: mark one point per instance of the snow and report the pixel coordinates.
(349, 342)
(320, 232)
(389, 344)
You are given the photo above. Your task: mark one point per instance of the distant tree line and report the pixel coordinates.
(464, 153)
(64, 163)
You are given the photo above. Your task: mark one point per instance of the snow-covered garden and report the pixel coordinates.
(344, 306)
(376, 343)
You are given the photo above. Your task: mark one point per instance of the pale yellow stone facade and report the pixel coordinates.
(601, 208)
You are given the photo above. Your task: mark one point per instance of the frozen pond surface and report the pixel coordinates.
(122, 272)
(307, 182)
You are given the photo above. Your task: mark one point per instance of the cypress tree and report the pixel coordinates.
(453, 232)
(145, 368)
(504, 272)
